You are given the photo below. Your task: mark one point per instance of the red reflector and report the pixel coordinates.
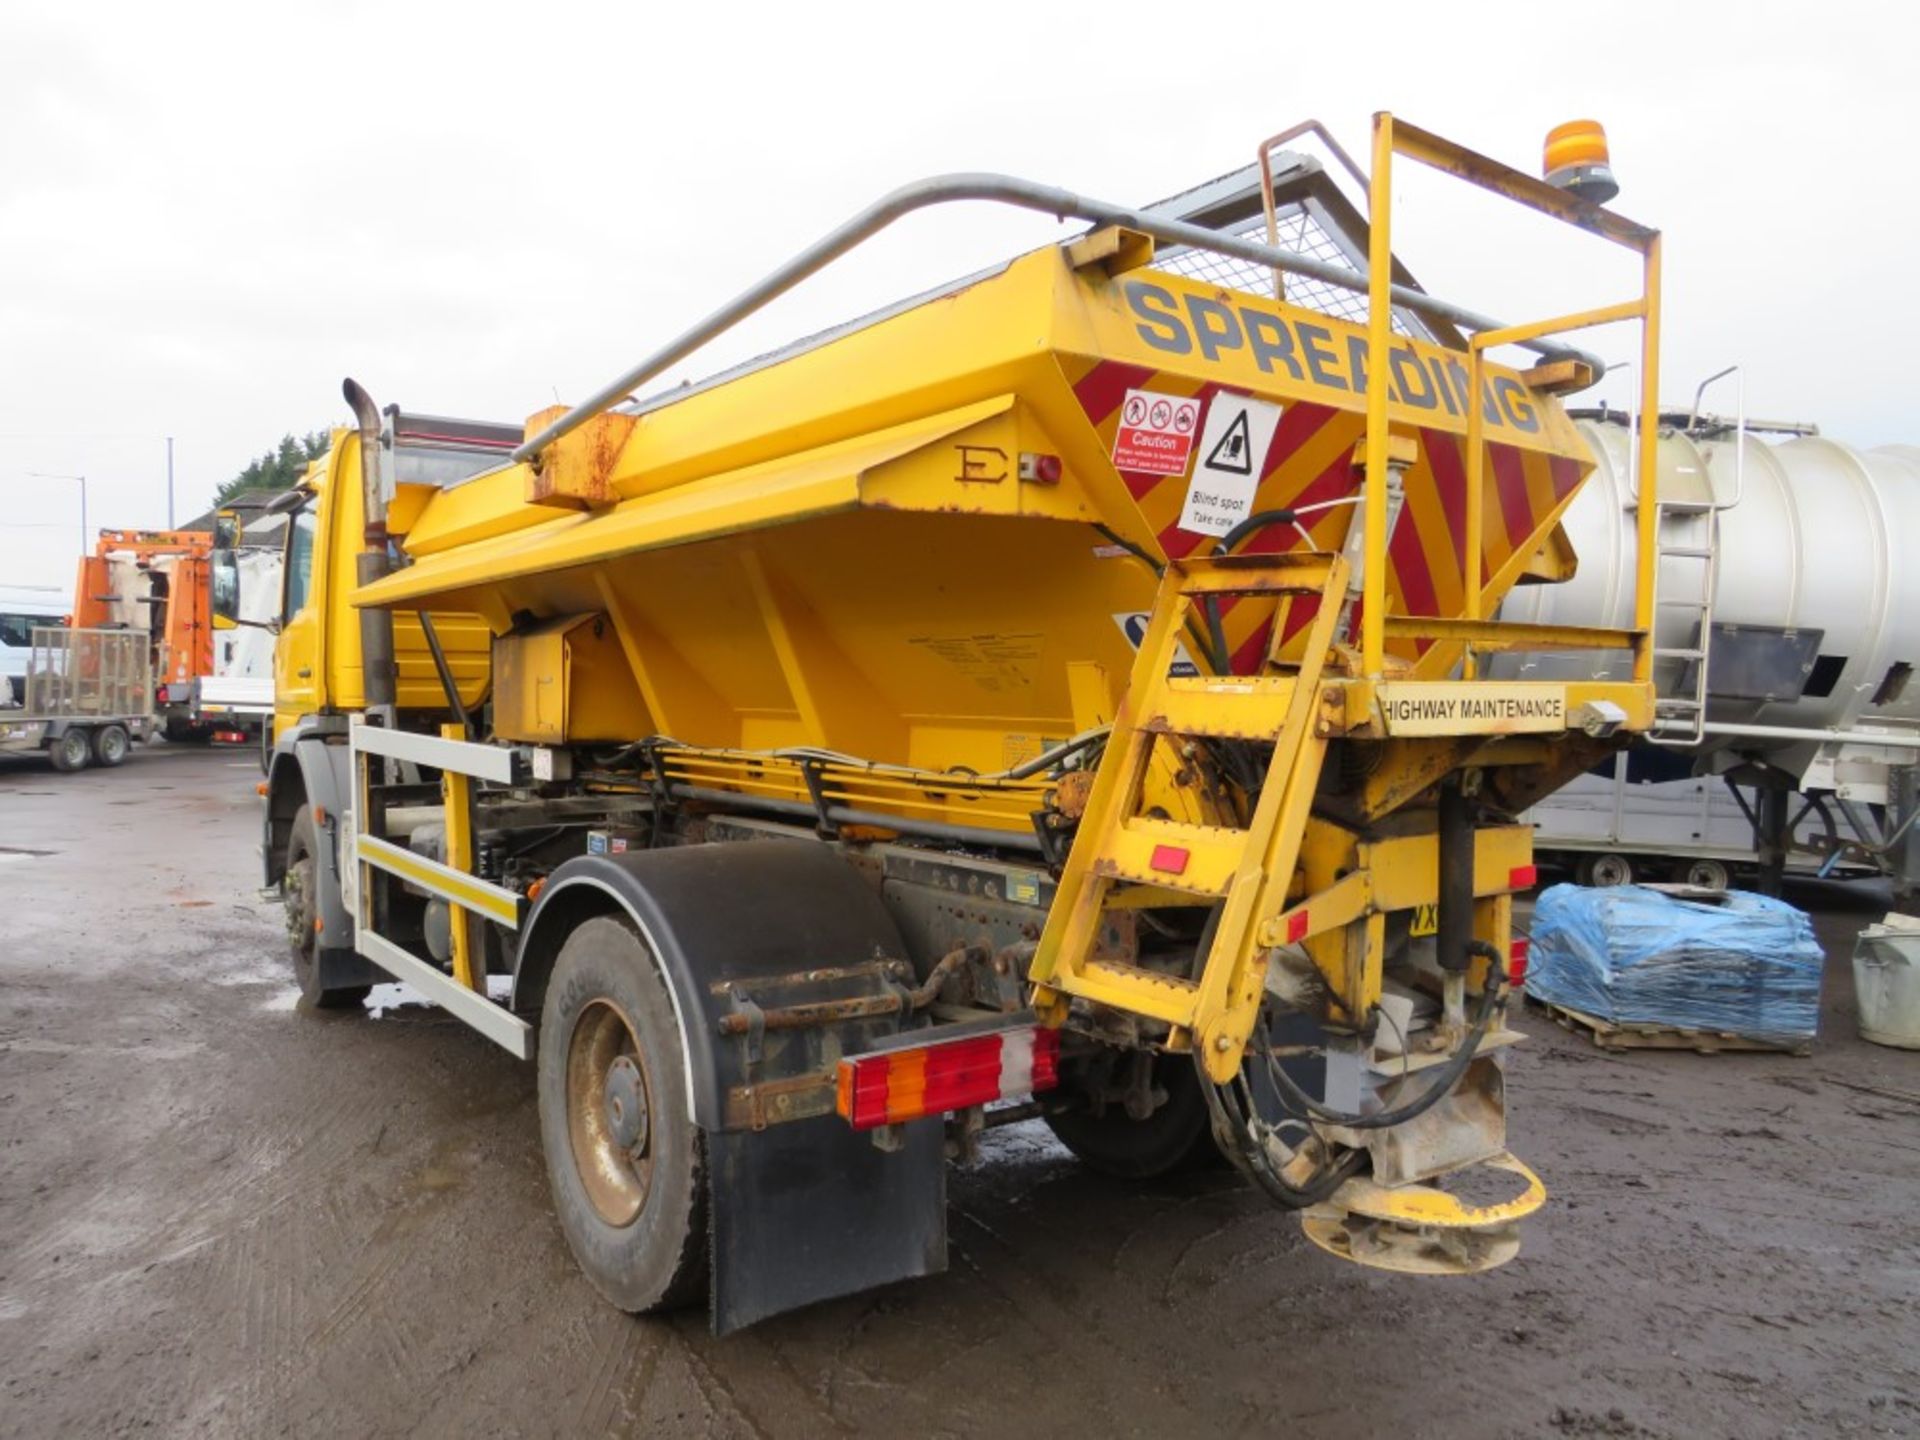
(901, 1085)
(1522, 877)
(160, 696)
(1296, 927)
(1517, 961)
(1040, 469)
(1170, 858)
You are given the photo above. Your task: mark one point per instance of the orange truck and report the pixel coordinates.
(159, 582)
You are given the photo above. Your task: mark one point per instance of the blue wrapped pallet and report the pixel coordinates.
(1746, 966)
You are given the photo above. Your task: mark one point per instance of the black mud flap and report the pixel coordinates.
(800, 1209)
(814, 1210)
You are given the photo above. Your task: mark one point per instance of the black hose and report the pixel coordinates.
(1252, 1159)
(1450, 1073)
(1216, 629)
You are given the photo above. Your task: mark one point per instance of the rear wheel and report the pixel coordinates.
(111, 744)
(1602, 871)
(1706, 873)
(1175, 1136)
(302, 896)
(623, 1154)
(71, 752)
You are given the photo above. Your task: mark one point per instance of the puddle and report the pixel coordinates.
(21, 852)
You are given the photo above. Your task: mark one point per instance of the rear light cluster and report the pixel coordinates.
(162, 696)
(899, 1085)
(1517, 961)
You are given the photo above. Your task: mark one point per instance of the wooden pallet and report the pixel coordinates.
(1637, 1035)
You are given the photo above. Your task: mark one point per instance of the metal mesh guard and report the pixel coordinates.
(1296, 230)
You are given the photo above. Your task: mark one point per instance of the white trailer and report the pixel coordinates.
(1621, 829)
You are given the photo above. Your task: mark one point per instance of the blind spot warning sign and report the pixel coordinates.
(1233, 450)
(1155, 435)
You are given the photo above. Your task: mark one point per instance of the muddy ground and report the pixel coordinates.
(220, 1216)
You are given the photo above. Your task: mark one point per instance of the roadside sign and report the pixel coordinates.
(1156, 433)
(1233, 448)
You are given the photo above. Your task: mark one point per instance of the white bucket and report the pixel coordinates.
(1886, 983)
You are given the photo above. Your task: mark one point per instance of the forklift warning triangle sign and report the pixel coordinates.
(1232, 453)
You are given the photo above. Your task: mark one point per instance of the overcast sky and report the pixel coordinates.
(211, 213)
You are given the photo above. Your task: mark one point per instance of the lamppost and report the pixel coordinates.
(42, 475)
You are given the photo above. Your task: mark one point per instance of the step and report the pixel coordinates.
(1678, 653)
(1141, 991)
(1677, 705)
(1225, 708)
(1199, 859)
(1684, 552)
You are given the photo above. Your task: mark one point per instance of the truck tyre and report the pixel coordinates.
(624, 1158)
(1706, 872)
(1176, 1136)
(303, 941)
(71, 752)
(1603, 870)
(111, 744)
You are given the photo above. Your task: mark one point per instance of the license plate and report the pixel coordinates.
(1426, 920)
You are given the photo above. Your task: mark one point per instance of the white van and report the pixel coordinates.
(22, 607)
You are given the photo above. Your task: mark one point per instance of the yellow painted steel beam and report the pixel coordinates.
(456, 794)
(1490, 174)
(1508, 635)
(1379, 338)
(443, 880)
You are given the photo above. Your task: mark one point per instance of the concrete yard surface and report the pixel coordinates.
(224, 1216)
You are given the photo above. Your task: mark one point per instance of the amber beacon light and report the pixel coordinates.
(1576, 161)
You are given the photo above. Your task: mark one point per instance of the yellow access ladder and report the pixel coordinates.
(1247, 870)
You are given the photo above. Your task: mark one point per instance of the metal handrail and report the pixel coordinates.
(1021, 195)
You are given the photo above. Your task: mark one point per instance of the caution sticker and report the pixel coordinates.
(1233, 448)
(1156, 433)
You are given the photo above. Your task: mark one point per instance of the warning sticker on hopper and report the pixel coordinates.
(1156, 433)
(1233, 451)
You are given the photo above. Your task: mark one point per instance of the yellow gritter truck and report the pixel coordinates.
(1059, 696)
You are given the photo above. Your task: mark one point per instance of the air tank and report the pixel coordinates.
(1815, 601)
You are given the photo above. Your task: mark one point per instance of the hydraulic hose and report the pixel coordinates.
(1251, 1157)
(1450, 1073)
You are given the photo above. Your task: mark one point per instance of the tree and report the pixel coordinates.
(279, 469)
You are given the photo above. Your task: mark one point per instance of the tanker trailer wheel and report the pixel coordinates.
(110, 745)
(71, 752)
(623, 1154)
(1175, 1136)
(1604, 870)
(303, 908)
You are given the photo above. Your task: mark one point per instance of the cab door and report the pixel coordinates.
(299, 668)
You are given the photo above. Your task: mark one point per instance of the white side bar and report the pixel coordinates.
(499, 1025)
(483, 762)
(1908, 741)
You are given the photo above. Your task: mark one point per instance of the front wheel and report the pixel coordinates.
(110, 745)
(72, 751)
(623, 1154)
(302, 897)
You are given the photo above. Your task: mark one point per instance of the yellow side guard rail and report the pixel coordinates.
(460, 762)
